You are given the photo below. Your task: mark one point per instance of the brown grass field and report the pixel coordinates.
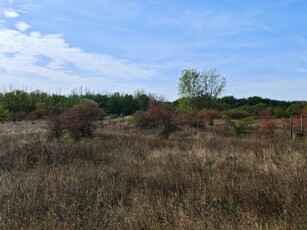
(125, 178)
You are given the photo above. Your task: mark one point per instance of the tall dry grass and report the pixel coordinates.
(194, 180)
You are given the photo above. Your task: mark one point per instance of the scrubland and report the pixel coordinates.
(125, 178)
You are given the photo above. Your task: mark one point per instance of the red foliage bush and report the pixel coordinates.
(192, 118)
(159, 112)
(163, 116)
(19, 116)
(267, 123)
(79, 119)
(52, 111)
(211, 114)
(40, 113)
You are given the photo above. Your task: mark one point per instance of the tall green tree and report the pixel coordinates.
(193, 83)
(200, 88)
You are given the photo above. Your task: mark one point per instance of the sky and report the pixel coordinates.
(108, 46)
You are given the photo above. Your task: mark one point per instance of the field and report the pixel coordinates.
(125, 178)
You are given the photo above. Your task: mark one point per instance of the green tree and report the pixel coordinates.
(193, 83)
(238, 127)
(4, 113)
(200, 89)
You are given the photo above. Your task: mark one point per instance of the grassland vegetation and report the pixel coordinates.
(127, 178)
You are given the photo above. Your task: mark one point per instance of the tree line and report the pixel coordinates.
(197, 91)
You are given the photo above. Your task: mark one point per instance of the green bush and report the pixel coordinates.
(142, 120)
(55, 127)
(4, 113)
(238, 127)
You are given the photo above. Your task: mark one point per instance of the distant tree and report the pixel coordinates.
(115, 104)
(230, 101)
(193, 83)
(141, 99)
(200, 88)
(295, 108)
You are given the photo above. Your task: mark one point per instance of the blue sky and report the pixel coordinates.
(260, 47)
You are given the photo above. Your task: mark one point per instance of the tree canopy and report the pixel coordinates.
(194, 84)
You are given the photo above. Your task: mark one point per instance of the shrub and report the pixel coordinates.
(55, 127)
(4, 113)
(19, 116)
(142, 120)
(163, 117)
(193, 118)
(79, 119)
(238, 127)
(267, 122)
(39, 113)
(53, 110)
(303, 112)
(238, 113)
(211, 114)
(165, 129)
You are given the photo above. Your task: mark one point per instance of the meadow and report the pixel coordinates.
(127, 178)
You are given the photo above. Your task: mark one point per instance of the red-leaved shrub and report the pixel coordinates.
(40, 113)
(267, 123)
(193, 118)
(79, 119)
(163, 116)
(211, 114)
(19, 116)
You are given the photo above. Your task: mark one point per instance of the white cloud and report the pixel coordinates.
(20, 55)
(22, 26)
(10, 13)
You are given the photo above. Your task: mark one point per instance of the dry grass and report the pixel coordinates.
(123, 179)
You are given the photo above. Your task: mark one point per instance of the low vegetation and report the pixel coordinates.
(200, 162)
(128, 178)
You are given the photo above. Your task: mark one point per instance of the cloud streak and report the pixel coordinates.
(28, 49)
(10, 13)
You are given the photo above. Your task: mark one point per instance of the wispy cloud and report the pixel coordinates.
(63, 19)
(67, 67)
(28, 48)
(22, 26)
(10, 13)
